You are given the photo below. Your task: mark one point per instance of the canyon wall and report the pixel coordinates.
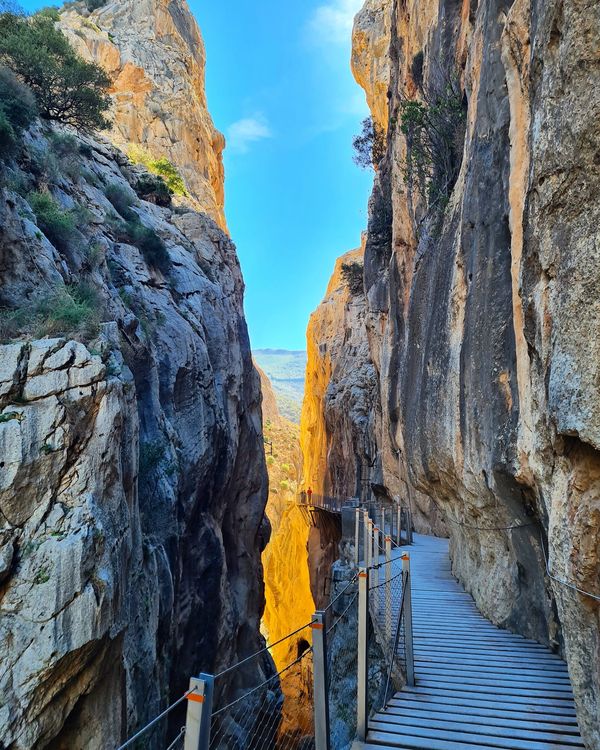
(482, 301)
(133, 480)
(154, 54)
(337, 423)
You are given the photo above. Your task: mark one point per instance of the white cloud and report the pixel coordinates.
(331, 23)
(248, 130)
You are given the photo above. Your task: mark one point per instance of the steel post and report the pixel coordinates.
(362, 695)
(388, 588)
(320, 698)
(199, 713)
(408, 625)
(356, 536)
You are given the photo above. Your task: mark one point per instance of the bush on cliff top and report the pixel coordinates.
(67, 89)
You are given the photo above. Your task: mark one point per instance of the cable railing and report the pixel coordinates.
(324, 688)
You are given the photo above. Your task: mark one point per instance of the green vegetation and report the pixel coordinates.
(92, 5)
(67, 89)
(161, 167)
(369, 146)
(154, 189)
(42, 576)
(434, 129)
(121, 200)
(134, 232)
(352, 273)
(72, 310)
(58, 225)
(9, 416)
(18, 110)
(152, 454)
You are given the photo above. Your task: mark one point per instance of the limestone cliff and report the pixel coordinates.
(133, 479)
(289, 602)
(481, 296)
(154, 53)
(339, 408)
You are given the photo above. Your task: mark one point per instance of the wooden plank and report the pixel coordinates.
(475, 701)
(418, 713)
(435, 736)
(497, 690)
(508, 677)
(495, 671)
(389, 722)
(438, 658)
(500, 681)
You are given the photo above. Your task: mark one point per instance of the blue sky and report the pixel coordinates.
(279, 86)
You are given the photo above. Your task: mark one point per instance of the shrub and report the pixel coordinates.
(17, 109)
(121, 200)
(161, 167)
(67, 88)
(92, 5)
(58, 225)
(134, 232)
(369, 146)
(154, 189)
(152, 248)
(434, 129)
(49, 12)
(64, 144)
(352, 273)
(68, 311)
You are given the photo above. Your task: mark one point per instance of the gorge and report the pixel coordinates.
(153, 514)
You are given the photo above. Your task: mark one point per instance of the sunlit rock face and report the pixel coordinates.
(133, 481)
(481, 321)
(370, 55)
(155, 56)
(289, 602)
(339, 408)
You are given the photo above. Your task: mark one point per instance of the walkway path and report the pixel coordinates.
(477, 686)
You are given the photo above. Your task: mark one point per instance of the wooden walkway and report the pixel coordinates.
(477, 686)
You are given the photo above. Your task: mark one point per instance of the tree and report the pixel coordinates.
(67, 89)
(17, 109)
(369, 146)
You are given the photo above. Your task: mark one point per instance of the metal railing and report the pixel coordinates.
(321, 502)
(370, 598)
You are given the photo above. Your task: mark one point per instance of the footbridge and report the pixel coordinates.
(442, 676)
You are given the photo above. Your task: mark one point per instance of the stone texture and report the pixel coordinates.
(154, 53)
(370, 56)
(481, 329)
(132, 481)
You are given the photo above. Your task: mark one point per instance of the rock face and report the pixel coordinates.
(339, 409)
(370, 55)
(481, 307)
(133, 479)
(154, 54)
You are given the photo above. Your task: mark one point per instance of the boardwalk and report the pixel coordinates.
(477, 686)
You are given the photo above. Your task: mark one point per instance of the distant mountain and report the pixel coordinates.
(286, 370)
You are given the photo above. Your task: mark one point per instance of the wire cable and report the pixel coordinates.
(262, 684)
(150, 724)
(176, 740)
(342, 592)
(336, 623)
(263, 650)
(563, 581)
